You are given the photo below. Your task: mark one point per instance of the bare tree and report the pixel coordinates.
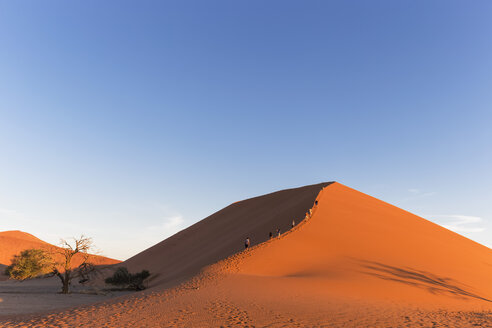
(66, 252)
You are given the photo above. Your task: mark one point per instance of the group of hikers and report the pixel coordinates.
(247, 242)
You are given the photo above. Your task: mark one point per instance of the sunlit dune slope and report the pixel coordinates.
(356, 245)
(223, 233)
(14, 242)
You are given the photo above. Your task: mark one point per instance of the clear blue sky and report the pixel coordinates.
(130, 120)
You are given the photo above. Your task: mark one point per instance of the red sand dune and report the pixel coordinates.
(357, 262)
(14, 242)
(358, 245)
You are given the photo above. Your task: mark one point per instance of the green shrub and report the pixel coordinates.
(28, 264)
(125, 279)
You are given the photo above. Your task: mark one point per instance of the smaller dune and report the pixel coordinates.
(14, 242)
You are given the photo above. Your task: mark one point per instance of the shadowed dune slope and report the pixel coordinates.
(222, 234)
(14, 242)
(356, 245)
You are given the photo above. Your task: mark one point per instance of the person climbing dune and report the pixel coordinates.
(246, 243)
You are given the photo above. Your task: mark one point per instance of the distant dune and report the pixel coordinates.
(14, 242)
(355, 262)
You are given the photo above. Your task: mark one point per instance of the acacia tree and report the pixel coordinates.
(30, 263)
(66, 252)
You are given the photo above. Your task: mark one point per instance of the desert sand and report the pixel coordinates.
(355, 262)
(42, 294)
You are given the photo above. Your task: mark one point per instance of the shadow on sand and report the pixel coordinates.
(420, 279)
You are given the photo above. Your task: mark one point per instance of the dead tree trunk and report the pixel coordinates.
(65, 278)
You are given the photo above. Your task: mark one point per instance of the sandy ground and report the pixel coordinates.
(40, 295)
(356, 262)
(216, 299)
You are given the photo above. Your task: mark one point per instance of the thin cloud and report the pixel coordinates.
(8, 212)
(137, 240)
(12, 219)
(417, 193)
(168, 227)
(459, 223)
(172, 225)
